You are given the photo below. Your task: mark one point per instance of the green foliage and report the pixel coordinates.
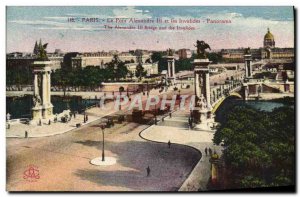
(183, 64)
(156, 56)
(162, 62)
(18, 77)
(140, 72)
(90, 76)
(117, 69)
(252, 182)
(259, 146)
(215, 57)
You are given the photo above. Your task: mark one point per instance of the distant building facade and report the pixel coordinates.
(184, 53)
(23, 61)
(268, 51)
(82, 60)
(150, 68)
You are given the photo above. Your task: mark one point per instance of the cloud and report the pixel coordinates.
(60, 18)
(130, 12)
(245, 30)
(35, 22)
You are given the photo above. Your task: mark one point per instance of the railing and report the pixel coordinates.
(223, 94)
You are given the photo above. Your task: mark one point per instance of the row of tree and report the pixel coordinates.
(89, 76)
(259, 147)
(92, 76)
(17, 77)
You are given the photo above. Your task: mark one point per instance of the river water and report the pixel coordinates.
(20, 107)
(231, 102)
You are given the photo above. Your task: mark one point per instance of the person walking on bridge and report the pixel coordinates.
(148, 171)
(210, 151)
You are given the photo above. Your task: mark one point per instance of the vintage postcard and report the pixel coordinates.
(150, 98)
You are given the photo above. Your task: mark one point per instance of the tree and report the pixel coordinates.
(183, 64)
(259, 146)
(162, 62)
(117, 69)
(215, 57)
(140, 72)
(36, 49)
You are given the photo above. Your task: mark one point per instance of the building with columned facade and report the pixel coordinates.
(268, 51)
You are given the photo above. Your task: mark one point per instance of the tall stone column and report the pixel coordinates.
(207, 89)
(248, 66)
(44, 92)
(49, 87)
(197, 85)
(171, 68)
(43, 107)
(35, 86)
(202, 114)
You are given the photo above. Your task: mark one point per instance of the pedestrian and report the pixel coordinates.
(170, 114)
(49, 122)
(210, 151)
(87, 118)
(163, 119)
(40, 122)
(169, 144)
(26, 134)
(148, 171)
(74, 114)
(206, 151)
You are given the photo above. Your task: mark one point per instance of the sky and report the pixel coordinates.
(248, 26)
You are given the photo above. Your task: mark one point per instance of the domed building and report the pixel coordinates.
(268, 51)
(269, 41)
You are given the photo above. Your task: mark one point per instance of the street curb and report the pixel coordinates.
(140, 134)
(53, 134)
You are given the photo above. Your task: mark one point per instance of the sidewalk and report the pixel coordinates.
(18, 130)
(176, 130)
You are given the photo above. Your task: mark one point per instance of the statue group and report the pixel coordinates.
(201, 47)
(40, 51)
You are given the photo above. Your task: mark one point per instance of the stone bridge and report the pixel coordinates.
(220, 93)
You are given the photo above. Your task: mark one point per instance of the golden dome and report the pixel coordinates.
(269, 36)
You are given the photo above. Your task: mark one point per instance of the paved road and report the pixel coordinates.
(63, 161)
